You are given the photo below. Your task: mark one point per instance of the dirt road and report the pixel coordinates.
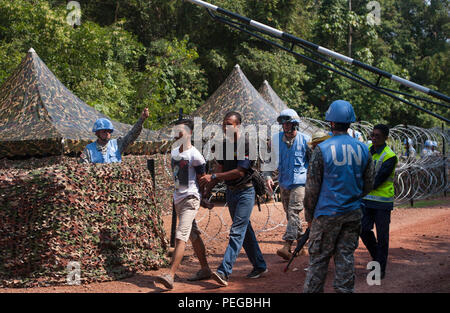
(419, 261)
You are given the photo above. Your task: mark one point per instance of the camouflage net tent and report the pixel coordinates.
(39, 116)
(56, 214)
(237, 94)
(103, 217)
(271, 97)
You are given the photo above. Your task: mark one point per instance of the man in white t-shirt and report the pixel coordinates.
(188, 165)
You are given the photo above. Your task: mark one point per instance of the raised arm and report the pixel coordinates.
(134, 133)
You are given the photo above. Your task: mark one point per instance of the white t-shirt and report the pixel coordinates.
(184, 174)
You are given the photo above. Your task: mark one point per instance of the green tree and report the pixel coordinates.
(171, 80)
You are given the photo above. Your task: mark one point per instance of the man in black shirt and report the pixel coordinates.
(240, 197)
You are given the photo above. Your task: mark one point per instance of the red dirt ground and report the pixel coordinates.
(419, 261)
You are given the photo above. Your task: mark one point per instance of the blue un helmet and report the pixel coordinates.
(103, 123)
(428, 143)
(410, 142)
(288, 115)
(340, 111)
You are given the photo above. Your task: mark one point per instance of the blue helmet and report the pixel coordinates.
(340, 111)
(410, 142)
(428, 143)
(102, 123)
(288, 115)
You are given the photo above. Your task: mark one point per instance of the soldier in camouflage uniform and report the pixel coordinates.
(339, 175)
(107, 150)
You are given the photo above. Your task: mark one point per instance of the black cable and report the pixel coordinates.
(361, 81)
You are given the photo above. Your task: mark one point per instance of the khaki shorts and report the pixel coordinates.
(186, 211)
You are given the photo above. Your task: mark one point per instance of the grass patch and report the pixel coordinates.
(425, 203)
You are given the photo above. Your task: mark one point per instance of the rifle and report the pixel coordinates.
(301, 242)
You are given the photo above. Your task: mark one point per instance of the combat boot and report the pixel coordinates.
(285, 251)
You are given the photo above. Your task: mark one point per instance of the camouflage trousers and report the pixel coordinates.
(292, 200)
(335, 236)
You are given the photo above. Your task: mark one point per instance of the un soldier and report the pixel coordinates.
(339, 175)
(292, 159)
(107, 150)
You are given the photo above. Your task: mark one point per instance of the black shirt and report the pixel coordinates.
(229, 164)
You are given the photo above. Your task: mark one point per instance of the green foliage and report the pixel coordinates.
(285, 74)
(129, 54)
(171, 80)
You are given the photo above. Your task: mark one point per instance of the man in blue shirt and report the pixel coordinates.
(107, 150)
(292, 155)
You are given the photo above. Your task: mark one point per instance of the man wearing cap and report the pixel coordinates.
(107, 150)
(339, 176)
(410, 152)
(427, 151)
(292, 156)
(318, 137)
(434, 149)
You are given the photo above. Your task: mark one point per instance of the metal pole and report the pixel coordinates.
(444, 159)
(411, 201)
(292, 39)
(151, 168)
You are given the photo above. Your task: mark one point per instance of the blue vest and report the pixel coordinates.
(344, 161)
(292, 162)
(112, 153)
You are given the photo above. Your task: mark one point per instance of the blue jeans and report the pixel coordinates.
(240, 205)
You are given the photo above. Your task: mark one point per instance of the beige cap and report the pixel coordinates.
(318, 137)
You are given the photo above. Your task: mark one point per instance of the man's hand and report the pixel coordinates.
(270, 184)
(145, 114)
(204, 180)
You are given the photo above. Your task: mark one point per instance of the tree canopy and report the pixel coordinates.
(166, 55)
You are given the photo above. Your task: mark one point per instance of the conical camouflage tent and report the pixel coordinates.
(271, 97)
(237, 94)
(39, 116)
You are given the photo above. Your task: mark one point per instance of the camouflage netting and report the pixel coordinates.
(271, 97)
(39, 116)
(237, 94)
(105, 217)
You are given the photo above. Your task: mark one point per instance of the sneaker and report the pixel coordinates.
(166, 280)
(220, 278)
(257, 273)
(200, 275)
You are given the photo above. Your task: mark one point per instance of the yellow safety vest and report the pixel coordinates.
(385, 192)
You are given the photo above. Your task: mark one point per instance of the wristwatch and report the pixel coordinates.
(213, 176)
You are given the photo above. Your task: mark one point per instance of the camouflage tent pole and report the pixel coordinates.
(265, 29)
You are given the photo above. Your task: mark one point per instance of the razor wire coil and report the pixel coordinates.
(417, 176)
